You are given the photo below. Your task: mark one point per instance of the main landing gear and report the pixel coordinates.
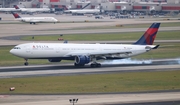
(95, 64)
(26, 62)
(32, 23)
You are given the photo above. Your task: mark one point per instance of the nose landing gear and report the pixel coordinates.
(26, 62)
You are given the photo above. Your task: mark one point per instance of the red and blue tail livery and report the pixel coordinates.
(15, 15)
(149, 36)
(16, 7)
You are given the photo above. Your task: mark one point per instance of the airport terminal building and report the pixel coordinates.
(151, 6)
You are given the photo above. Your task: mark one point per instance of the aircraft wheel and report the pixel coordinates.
(93, 65)
(98, 65)
(26, 63)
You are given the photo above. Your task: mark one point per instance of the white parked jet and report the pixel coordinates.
(85, 53)
(83, 10)
(34, 20)
(32, 10)
(9, 10)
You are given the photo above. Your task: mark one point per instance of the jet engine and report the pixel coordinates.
(82, 59)
(54, 60)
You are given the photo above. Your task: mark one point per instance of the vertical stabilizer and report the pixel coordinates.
(15, 15)
(149, 36)
(16, 7)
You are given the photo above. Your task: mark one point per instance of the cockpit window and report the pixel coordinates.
(16, 48)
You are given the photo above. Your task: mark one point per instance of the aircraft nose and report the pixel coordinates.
(11, 51)
(14, 52)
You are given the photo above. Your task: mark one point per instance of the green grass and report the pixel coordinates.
(98, 83)
(171, 24)
(163, 35)
(120, 26)
(166, 50)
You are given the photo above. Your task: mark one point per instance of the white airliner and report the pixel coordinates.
(9, 10)
(32, 10)
(83, 10)
(86, 53)
(34, 20)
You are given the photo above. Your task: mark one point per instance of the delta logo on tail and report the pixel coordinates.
(149, 36)
(15, 15)
(16, 7)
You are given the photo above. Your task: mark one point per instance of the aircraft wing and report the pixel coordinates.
(97, 54)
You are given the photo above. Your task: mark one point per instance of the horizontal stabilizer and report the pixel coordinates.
(156, 46)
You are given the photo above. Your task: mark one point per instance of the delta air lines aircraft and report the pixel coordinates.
(34, 20)
(83, 10)
(32, 10)
(86, 53)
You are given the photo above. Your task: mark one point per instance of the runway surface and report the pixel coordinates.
(98, 99)
(109, 66)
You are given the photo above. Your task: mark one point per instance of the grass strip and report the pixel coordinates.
(169, 24)
(98, 83)
(163, 35)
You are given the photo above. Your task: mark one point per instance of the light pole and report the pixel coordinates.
(73, 101)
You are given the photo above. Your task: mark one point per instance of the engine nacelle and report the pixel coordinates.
(54, 60)
(82, 59)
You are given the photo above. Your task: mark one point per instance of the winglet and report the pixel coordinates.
(149, 36)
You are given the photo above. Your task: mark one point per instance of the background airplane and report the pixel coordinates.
(8, 10)
(83, 10)
(32, 10)
(85, 53)
(34, 20)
